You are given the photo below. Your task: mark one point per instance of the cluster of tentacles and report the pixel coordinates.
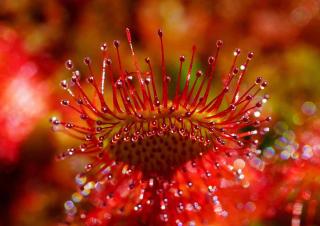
(160, 157)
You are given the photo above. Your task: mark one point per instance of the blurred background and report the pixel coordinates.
(37, 37)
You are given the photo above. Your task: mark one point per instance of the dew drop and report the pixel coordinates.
(210, 60)
(268, 152)
(263, 85)
(65, 102)
(219, 43)
(103, 47)
(80, 179)
(68, 205)
(308, 108)
(285, 154)
(69, 65)
(239, 164)
(76, 197)
(307, 152)
(87, 61)
(257, 114)
(116, 43)
(258, 80)
(250, 56)
(236, 52)
(64, 84)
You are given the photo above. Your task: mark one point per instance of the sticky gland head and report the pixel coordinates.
(157, 135)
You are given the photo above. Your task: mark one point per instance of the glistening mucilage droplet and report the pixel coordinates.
(154, 156)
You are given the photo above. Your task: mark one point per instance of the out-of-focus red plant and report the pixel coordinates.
(290, 180)
(23, 95)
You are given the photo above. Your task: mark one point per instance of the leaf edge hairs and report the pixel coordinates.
(156, 159)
